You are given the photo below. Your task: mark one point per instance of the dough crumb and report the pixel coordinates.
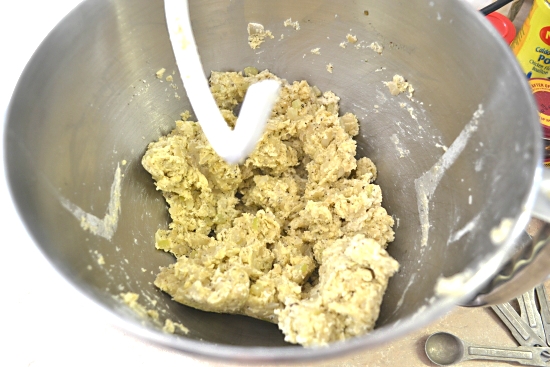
(399, 85)
(500, 233)
(330, 68)
(181, 327)
(376, 47)
(99, 258)
(351, 38)
(131, 300)
(343, 44)
(250, 71)
(153, 314)
(290, 23)
(160, 73)
(316, 51)
(257, 35)
(345, 302)
(170, 78)
(170, 327)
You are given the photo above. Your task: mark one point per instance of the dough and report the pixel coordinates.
(257, 35)
(399, 85)
(296, 235)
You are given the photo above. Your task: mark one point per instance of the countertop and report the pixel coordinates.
(46, 322)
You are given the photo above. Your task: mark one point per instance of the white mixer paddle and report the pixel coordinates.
(232, 145)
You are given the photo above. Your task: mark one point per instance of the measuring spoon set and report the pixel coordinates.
(529, 327)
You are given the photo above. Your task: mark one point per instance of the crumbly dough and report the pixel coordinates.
(257, 35)
(399, 85)
(160, 73)
(132, 301)
(376, 47)
(290, 23)
(296, 235)
(351, 38)
(170, 327)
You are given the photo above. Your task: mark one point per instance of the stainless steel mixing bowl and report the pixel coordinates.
(89, 101)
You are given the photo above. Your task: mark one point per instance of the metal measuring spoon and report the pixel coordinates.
(544, 310)
(521, 331)
(529, 312)
(445, 349)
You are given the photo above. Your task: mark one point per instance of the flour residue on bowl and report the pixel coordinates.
(466, 229)
(426, 184)
(403, 152)
(404, 293)
(105, 227)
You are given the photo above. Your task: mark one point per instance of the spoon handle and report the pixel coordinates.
(529, 356)
(544, 310)
(520, 330)
(533, 315)
(522, 308)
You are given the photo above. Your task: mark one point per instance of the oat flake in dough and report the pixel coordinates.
(296, 235)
